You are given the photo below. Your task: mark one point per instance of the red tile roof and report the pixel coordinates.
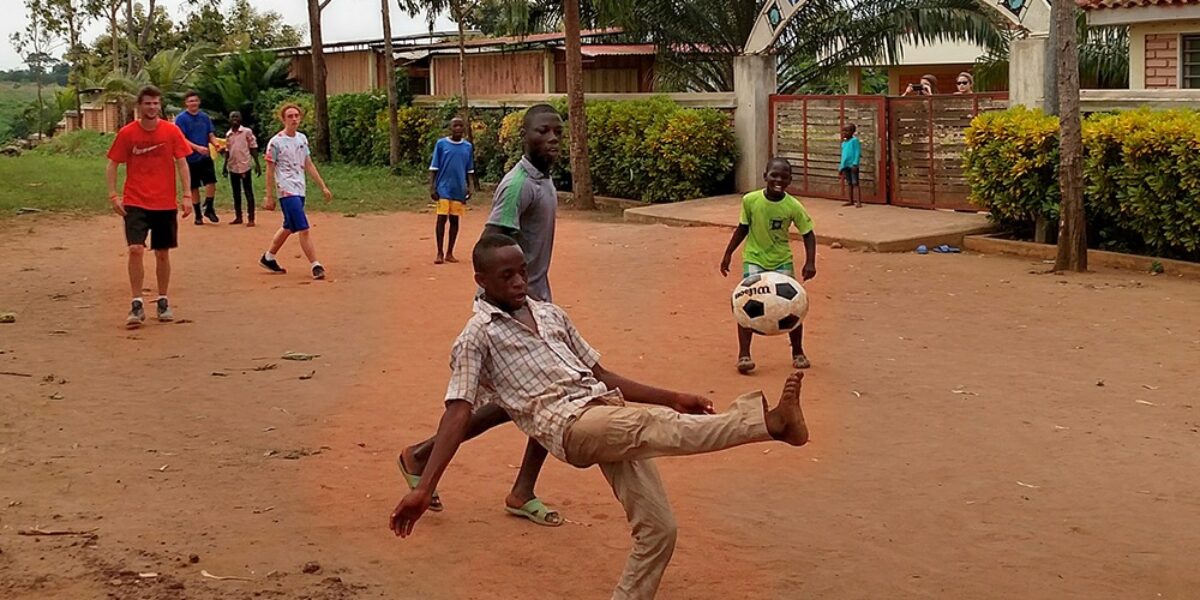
(1098, 4)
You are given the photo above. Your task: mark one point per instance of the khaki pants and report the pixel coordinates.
(623, 439)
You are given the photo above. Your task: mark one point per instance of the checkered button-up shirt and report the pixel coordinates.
(543, 380)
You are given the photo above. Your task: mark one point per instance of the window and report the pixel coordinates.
(1190, 63)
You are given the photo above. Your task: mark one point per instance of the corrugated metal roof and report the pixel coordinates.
(618, 50)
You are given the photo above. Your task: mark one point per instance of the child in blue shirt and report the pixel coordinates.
(851, 155)
(453, 160)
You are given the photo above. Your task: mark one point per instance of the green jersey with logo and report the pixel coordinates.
(767, 244)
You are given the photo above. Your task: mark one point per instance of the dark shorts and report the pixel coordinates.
(161, 225)
(851, 175)
(294, 219)
(203, 172)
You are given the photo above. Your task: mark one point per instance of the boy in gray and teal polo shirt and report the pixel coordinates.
(526, 202)
(523, 208)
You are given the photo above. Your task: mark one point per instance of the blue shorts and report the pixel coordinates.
(294, 219)
(749, 269)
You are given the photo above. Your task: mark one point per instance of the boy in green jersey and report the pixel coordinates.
(767, 217)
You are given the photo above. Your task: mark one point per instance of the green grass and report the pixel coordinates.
(14, 98)
(67, 176)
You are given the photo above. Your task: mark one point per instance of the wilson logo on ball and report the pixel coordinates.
(769, 303)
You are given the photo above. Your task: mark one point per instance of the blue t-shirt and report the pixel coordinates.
(453, 161)
(851, 153)
(195, 129)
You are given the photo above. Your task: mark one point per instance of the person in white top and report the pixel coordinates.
(288, 158)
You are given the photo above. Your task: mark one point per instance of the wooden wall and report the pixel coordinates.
(609, 74)
(491, 74)
(348, 72)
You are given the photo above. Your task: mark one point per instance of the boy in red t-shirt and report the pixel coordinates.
(153, 151)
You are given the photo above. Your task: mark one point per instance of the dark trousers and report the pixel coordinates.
(239, 182)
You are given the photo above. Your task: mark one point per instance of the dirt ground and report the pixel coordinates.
(979, 429)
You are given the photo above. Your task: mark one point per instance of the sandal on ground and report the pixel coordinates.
(413, 481)
(536, 511)
(745, 364)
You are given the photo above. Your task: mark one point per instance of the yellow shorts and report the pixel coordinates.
(454, 208)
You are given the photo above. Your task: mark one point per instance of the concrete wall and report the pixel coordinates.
(1026, 72)
(754, 80)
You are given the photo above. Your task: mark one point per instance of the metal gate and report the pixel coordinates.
(926, 143)
(807, 130)
(912, 147)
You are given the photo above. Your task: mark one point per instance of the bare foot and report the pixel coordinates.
(439, 260)
(785, 422)
(450, 258)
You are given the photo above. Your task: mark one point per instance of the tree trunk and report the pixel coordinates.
(320, 100)
(130, 35)
(464, 105)
(145, 35)
(1072, 227)
(389, 56)
(581, 175)
(114, 30)
(73, 33)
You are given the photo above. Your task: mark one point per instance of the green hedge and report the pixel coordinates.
(1141, 175)
(352, 120)
(653, 150)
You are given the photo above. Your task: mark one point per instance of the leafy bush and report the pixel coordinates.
(1011, 163)
(83, 143)
(1141, 176)
(238, 81)
(1143, 179)
(653, 150)
(350, 116)
(415, 125)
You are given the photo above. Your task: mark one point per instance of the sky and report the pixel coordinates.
(342, 20)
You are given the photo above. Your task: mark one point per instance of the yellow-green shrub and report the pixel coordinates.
(1141, 176)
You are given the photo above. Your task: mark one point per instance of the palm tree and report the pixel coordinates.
(460, 11)
(581, 176)
(172, 71)
(235, 82)
(1103, 59)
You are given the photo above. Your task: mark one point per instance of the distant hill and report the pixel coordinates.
(14, 97)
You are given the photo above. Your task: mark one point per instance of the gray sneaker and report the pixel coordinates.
(164, 311)
(137, 315)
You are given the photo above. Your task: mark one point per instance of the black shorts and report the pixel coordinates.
(203, 172)
(161, 225)
(851, 175)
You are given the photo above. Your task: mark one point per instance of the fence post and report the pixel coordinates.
(753, 83)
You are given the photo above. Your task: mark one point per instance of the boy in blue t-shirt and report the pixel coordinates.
(453, 160)
(851, 156)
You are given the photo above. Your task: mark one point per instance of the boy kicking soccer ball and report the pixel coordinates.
(287, 160)
(767, 217)
(529, 358)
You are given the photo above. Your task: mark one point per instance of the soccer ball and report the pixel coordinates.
(769, 303)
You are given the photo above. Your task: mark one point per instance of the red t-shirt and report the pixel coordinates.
(149, 158)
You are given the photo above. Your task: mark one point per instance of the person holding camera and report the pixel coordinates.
(927, 87)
